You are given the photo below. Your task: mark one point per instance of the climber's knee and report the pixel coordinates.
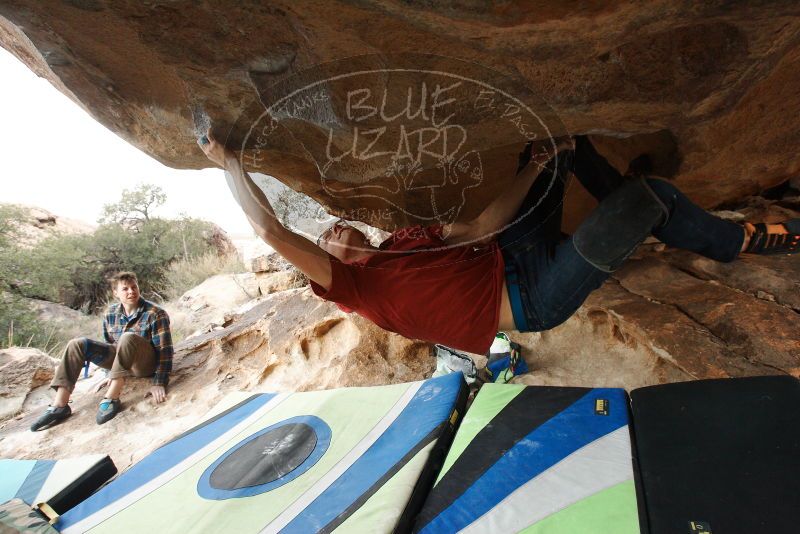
(619, 224)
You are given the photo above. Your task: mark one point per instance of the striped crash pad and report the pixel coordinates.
(60, 483)
(537, 460)
(349, 460)
(720, 456)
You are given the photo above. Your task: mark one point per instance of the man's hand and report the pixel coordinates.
(102, 384)
(216, 151)
(159, 394)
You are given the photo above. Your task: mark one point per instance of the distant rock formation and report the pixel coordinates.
(39, 224)
(219, 241)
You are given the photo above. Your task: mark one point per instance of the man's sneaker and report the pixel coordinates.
(52, 415)
(108, 409)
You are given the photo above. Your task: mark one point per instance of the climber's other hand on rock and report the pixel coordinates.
(159, 394)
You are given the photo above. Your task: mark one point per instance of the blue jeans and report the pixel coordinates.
(552, 278)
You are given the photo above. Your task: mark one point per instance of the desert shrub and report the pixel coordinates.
(18, 324)
(73, 269)
(186, 273)
(11, 218)
(169, 256)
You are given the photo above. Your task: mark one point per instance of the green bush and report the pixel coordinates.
(73, 269)
(10, 233)
(184, 274)
(169, 257)
(18, 324)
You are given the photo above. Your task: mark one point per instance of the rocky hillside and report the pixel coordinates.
(283, 339)
(38, 224)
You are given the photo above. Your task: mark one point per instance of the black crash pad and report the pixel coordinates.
(720, 456)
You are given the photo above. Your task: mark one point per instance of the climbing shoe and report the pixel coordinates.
(505, 359)
(764, 242)
(53, 414)
(108, 409)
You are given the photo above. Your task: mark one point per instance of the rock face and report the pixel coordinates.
(294, 341)
(209, 302)
(218, 239)
(708, 90)
(273, 273)
(22, 370)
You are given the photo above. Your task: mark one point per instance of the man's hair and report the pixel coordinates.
(124, 276)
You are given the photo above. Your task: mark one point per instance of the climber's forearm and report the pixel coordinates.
(500, 212)
(302, 253)
(297, 250)
(502, 209)
(250, 197)
(495, 216)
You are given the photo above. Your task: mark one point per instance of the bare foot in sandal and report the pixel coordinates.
(779, 238)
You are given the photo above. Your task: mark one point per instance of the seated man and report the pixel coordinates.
(137, 341)
(511, 268)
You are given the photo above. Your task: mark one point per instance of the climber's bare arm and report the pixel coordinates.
(502, 209)
(300, 252)
(496, 215)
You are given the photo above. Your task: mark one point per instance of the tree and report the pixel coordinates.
(74, 269)
(135, 208)
(18, 324)
(11, 267)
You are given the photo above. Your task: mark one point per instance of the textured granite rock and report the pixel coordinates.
(22, 370)
(288, 341)
(708, 89)
(666, 316)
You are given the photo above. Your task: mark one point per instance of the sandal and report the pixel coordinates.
(763, 242)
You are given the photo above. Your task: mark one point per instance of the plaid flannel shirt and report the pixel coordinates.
(148, 321)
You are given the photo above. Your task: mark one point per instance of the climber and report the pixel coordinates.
(452, 285)
(137, 341)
